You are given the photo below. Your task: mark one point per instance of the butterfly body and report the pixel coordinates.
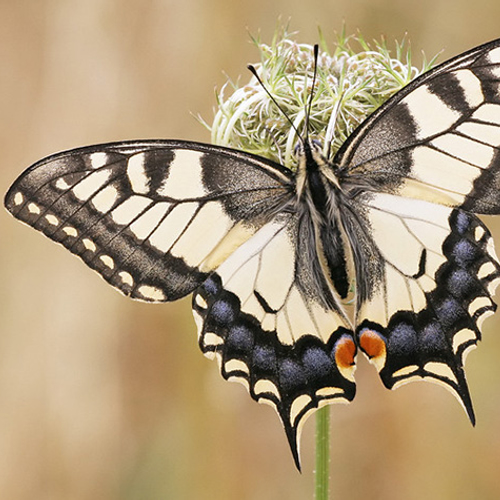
(271, 256)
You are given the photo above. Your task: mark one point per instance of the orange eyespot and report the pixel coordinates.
(373, 345)
(345, 352)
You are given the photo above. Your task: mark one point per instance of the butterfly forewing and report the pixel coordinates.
(437, 139)
(154, 217)
(157, 219)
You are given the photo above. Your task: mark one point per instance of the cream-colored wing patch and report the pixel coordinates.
(262, 274)
(409, 235)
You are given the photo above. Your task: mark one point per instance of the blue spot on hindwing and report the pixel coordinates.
(461, 284)
(316, 362)
(402, 339)
(264, 358)
(291, 375)
(239, 339)
(465, 252)
(432, 340)
(462, 222)
(449, 312)
(224, 311)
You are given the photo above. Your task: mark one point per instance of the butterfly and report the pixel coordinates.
(271, 255)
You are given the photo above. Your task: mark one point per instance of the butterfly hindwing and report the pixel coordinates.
(152, 217)
(436, 275)
(269, 326)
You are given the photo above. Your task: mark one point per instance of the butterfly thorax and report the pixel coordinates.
(318, 198)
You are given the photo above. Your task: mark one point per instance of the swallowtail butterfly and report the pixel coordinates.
(269, 255)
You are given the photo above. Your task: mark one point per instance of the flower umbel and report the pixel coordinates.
(349, 86)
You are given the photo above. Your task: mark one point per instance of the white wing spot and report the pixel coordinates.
(151, 293)
(185, 176)
(440, 369)
(461, 337)
(478, 303)
(212, 340)
(126, 278)
(18, 198)
(494, 55)
(403, 372)
(62, 184)
(98, 159)
(70, 231)
(326, 392)
(137, 174)
(236, 365)
(107, 261)
(486, 269)
(430, 113)
(200, 301)
(89, 244)
(34, 208)
(263, 385)
(479, 233)
(52, 219)
(473, 92)
(298, 405)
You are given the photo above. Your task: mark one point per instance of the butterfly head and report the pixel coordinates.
(313, 168)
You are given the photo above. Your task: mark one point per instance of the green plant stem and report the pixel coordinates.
(322, 473)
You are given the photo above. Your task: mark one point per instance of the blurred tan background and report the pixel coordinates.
(104, 398)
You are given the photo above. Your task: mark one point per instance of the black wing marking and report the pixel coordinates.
(152, 217)
(438, 139)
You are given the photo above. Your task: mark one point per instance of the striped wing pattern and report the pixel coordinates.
(159, 220)
(437, 139)
(151, 218)
(272, 332)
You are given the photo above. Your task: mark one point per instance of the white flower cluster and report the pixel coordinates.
(349, 86)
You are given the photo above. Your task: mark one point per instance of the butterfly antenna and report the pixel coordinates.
(273, 99)
(311, 95)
